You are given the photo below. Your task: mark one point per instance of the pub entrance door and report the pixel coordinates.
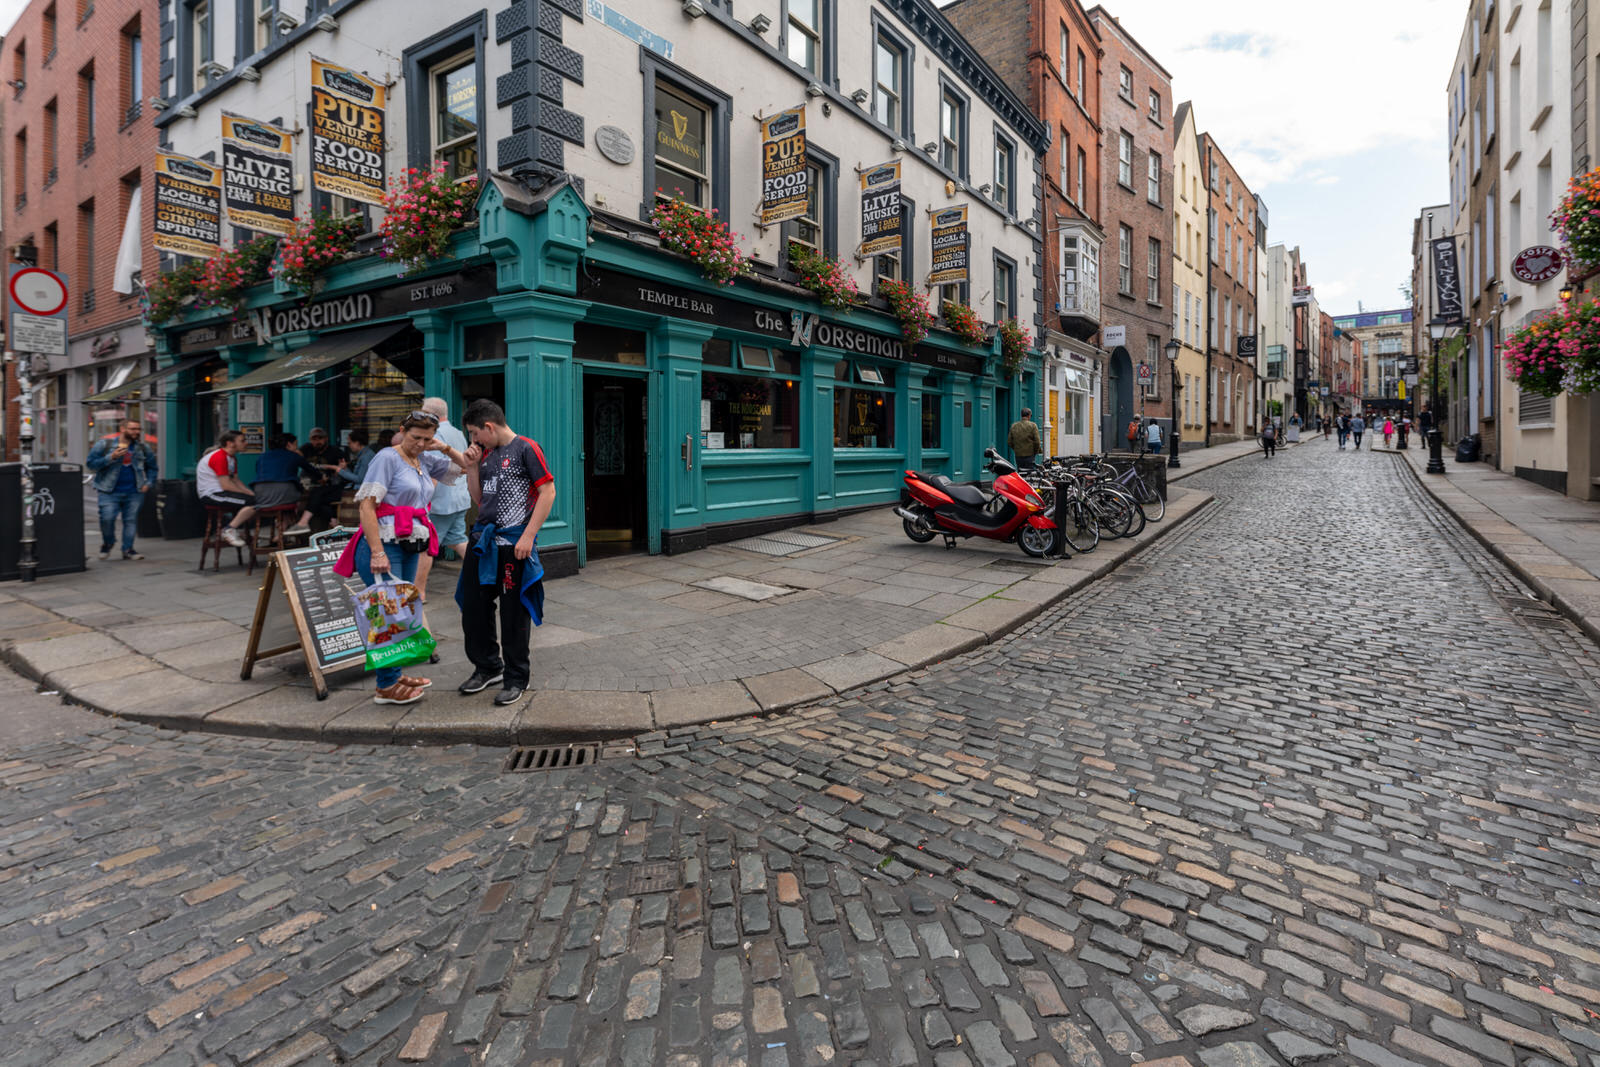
(616, 488)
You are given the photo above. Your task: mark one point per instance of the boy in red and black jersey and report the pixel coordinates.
(514, 491)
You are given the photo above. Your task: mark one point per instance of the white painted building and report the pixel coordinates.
(1277, 327)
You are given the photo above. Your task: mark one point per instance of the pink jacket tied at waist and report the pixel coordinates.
(405, 520)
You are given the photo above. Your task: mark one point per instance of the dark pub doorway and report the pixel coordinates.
(615, 485)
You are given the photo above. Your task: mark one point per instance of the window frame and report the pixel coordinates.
(419, 63)
(1154, 106)
(1002, 262)
(1083, 77)
(905, 259)
(886, 390)
(827, 208)
(1153, 271)
(86, 258)
(948, 92)
(1125, 165)
(1124, 259)
(87, 109)
(1152, 177)
(191, 48)
(882, 31)
(1008, 201)
(827, 43)
(655, 68)
(131, 38)
(1125, 83)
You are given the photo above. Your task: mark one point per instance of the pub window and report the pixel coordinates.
(683, 147)
(895, 266)
(200, 44)
(1005, 288)
(933, 413)
(484, 343)
(444, 100)
(381, 387)
(757, 408)
(608, 344)
(807, 230)
(1005, 173)
(952, 292)
(805, 32)
(891, 81)
(953, 131)
(863, 406)
(266, 14)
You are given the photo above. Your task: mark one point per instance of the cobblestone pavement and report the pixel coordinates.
(1282, 791)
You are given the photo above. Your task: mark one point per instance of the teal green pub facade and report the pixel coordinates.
(673, 412)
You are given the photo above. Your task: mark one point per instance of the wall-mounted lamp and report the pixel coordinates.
(931, 147)
(1566, 292)
(18, 84)
(813, 89)
(326, 23)
(693, 8)
(761, 23)
(861, 96)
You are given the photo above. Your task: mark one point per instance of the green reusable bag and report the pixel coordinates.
(390, 617)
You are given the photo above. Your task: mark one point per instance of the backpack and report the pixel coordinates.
(1269, 432)
(1133, 429)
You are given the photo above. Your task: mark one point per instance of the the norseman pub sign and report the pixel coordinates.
(797, 328)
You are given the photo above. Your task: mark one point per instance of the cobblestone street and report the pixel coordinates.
(1254, 799)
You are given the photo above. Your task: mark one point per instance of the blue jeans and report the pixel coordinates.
(113, 504)
(403, 568)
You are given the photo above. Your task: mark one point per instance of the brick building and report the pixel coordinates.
(1136, 183)
(1049, 55)
(79, 139)
(1231, 299)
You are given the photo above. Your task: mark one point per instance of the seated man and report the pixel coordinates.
(217, 480)
(278, 472)
(322, 498)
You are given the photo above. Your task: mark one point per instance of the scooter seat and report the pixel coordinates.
(966, 494)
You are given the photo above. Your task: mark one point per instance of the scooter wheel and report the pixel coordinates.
(1035, 542)
(917, 531)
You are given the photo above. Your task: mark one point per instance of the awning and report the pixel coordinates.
(118, 392)
(319, 355)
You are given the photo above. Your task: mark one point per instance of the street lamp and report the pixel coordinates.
(1177, 434)
(1437, 331)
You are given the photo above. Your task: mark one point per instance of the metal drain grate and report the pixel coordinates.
(1533, 611)
(1005, 564)
(782, 543)
(652, 878)
(551, 758)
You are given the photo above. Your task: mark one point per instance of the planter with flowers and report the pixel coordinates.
(825, 276)
(963, 322)
(170, 293)
(1557, 354)
(309, 250)
(1014, 344)
(1577, 220)
(910, 307)
(229, 275)
(700, 235)
(421, 210)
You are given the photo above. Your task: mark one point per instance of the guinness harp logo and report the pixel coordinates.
(680, 125)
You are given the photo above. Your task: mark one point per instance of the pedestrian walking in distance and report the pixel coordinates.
(1269, 439)
(514, 491)
(124, 470)
(1152, 436)
(1133, 435)
(1327, 426)
(1358, 426)
(1388, 433)
(1024, 439)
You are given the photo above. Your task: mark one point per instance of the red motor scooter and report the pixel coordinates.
(1013, 512)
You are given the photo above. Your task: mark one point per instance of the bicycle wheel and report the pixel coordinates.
(1149, 499)
(1136, 518)
(1082, 533)
(1112, 513)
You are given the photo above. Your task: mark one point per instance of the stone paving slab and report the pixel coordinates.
(1512, 518)
(633, 644)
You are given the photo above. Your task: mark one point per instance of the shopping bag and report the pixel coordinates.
(389, 615)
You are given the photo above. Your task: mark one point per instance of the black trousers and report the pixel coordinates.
(478, 604)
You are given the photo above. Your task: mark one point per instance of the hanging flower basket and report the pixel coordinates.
(824, 276)
(685, 229)
(227, 276)
(963, 322)
(910, 307)
(171, 293)
(1558, 354)
(421, 210)
(309, 250)
(1014, 345)
(1577, 219)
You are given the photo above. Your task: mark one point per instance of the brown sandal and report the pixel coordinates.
(398, 693)
(415, 683)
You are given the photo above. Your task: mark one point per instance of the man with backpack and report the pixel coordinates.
(1133, 435)
(1269, 438)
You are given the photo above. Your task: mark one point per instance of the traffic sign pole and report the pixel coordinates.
(28, 558)
(38, 305)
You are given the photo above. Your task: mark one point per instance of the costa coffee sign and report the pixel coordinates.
(1537, 264)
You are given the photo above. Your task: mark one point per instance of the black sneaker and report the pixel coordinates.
(509, 695)
(479, 681)
(132, 555)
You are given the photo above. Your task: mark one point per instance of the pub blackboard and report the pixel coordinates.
(314, 614)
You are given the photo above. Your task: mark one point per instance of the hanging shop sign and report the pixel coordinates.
(188, 206)
(1448, 306)
(785, 182)
(347, 119)
(1538, 263)
(257, 174)
(949, 246)
(882, 227)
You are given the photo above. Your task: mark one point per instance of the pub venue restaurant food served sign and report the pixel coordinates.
(347, 123)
